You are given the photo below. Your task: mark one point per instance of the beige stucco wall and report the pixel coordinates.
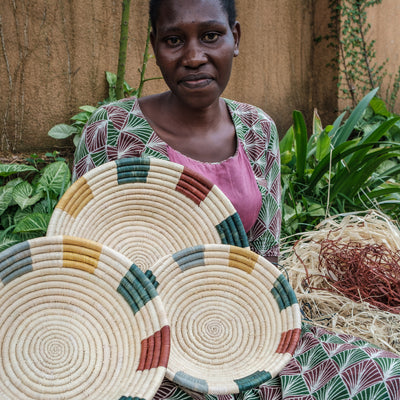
(54, 54)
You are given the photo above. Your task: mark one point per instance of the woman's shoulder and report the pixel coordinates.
(122, 106)
(251, 119)
(252, 114)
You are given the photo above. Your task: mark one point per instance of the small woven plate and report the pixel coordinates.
(234, 318)
(78, 321)
(146, 208)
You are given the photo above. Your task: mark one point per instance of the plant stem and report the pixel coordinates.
(364, 45)
(123, 44)
(144, 63)
(349, 82)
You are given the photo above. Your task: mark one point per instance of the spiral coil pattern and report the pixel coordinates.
(78, 321)
(235, 320)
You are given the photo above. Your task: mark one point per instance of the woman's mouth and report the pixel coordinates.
(196, 81)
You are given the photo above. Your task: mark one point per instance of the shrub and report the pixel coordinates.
(28, 195)
(333, 172)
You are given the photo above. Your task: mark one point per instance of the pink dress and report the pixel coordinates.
(234, 176)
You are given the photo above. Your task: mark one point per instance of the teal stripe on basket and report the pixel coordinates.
(13, 264)
(231, 231)
(152, 278)
(130, 398)
(136, 290)
(190, 257)
(252, 380)
(283, 293)
(191, 382)
(132, 170)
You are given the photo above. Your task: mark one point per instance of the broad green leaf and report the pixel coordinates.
(372, 137)
(111, 78)
(76, 140)
(22, 195)
(286, 157)
(56, 177)
(7, 240)
(331, 160)
(323, 145)
(379, 107)
(21, 214)
(89, 109)
(347, 128)
(390, 172)
(62, 131)
(286, 143)
(316, 210)
(384, 191)
(317, 125)
(357, 179)
(35, 222)
(300, 136)
(14, 182)
(316, 131)
(82, 117)
(5, 198)
(332, 129)
(9, 169)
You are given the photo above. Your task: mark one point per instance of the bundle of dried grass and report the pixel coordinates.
(324, 304)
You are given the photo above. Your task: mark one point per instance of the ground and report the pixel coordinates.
(21, 158)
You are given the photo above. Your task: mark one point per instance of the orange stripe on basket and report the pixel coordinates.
(74, 200)
(193, 186)
(154, 351)
(242, 259)
(81, 254)
(288, 341)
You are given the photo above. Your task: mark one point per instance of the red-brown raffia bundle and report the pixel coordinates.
(362, 272)
(332, 267)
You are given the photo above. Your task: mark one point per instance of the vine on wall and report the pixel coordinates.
(355, 59)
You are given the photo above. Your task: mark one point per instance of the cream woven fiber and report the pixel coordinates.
(145, 209)
(68, 328)
(234, 318)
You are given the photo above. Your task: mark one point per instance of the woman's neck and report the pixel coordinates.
(206, 134)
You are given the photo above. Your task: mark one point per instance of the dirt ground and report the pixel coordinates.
(21, 158)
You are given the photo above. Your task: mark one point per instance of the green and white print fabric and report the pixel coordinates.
(120, 130)
(325, 366)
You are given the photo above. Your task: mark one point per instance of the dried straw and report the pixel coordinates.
(333, 310)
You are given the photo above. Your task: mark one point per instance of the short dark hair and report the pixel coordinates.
(228, 6)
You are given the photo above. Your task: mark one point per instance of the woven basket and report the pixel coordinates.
(146, 208)
(234, 318)
(78, 321)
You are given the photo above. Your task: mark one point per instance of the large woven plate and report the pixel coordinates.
(147, 208)
(234, 318)
(78, 321)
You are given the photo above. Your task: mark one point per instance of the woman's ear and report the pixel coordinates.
(236, 35)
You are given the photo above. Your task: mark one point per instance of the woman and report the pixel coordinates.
(236, 146)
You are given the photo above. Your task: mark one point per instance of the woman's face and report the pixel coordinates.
(194, 47)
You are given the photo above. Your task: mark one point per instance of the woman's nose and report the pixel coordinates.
(194, 55)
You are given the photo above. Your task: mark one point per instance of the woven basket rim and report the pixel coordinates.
(147, 199)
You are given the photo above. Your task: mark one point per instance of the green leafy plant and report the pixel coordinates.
(333, 172)
(355, 59)
(64, 131)
(28, 196)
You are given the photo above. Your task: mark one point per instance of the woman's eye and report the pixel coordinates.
(211, 37)
(173, 41)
